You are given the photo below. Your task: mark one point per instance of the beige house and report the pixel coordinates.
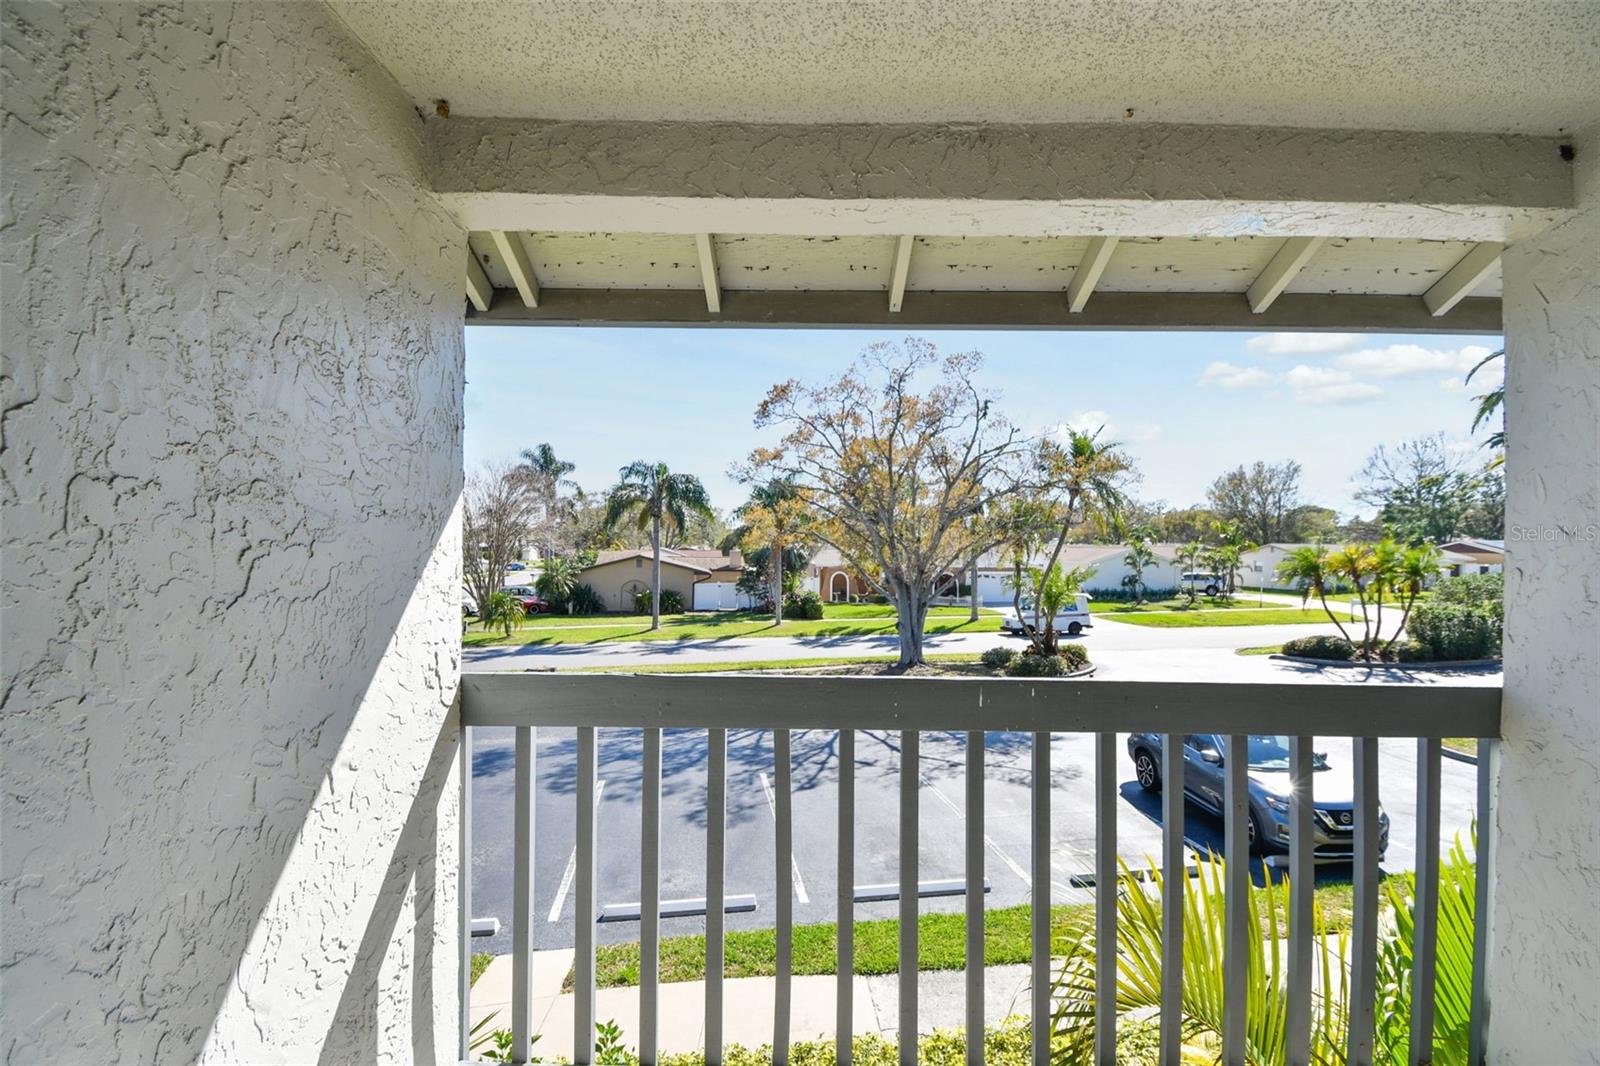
(619, 576)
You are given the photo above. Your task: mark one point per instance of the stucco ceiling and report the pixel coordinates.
(1527, 66)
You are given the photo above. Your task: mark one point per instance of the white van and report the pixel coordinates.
(1072, 619)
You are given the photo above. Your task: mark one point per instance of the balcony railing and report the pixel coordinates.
(1363, 712)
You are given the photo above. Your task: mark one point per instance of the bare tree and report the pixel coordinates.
(1261, 498)
(893, 473)
(502, 510)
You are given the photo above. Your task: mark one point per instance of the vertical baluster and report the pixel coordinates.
(1302, 886)
(845, 902)
(716, 887)
(1236, 850)
(522, 899)
(1039, 952)
(1364, 921)
(975, 908)
(783, 816)
(1105, 899)
(464, 890)
(910, 779)
(1425, 908)
(650, 900)
(584, 902)
(1174, 881)
(1488, 770)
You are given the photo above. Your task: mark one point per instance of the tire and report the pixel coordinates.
(1211, 590)
(1074, 628)
(1147, 770)
(1258, 845)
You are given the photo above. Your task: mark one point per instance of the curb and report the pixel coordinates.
(1485, 665)
(1458, 756)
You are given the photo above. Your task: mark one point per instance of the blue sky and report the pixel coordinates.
(1187, 405)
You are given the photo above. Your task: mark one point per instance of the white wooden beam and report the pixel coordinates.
(1089, 269)
(708, 272)
(479, 291)
(1462, 278)
(516, 260)
(902, 268)
(1295, 253)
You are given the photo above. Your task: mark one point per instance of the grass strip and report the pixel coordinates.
(745, 666)
(1195, 619)
(941, 943)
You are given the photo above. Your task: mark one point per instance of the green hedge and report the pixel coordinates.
(1335, 648)
(1453, 631)
(671, 602)
(802, 606)
(998, 657)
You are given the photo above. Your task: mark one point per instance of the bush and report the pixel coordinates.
(1451, 630)
(1076, 656)
(997, 657)
(583, 599)
(1027, 665)
(671, 602)
(1411, 651)
(1336, 649)
(1125, 595)
(1481, 592)
(802, 606)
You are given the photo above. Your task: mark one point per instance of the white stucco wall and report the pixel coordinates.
(231, 452)
(1544, 980)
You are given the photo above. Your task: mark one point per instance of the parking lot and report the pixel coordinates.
(750, 821)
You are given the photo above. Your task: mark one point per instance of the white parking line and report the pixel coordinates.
(772, 805)
(572, 862)
(988, 841)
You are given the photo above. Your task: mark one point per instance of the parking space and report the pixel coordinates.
(751, 856)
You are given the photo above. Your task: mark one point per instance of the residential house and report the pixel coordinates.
(703, 578)
(1474, 555)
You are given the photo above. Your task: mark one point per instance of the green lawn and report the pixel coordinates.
(1270, 616)
(1181, 603)
(1465, 745)
(769, 664)
(941, 943)
(839, 620)
(1269, 649)
(480, 963)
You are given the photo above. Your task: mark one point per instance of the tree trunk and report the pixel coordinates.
(972, 572)
(777, 585)
(655, 572)
(911, 610)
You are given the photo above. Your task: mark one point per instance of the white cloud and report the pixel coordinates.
(1227, 376)
(1320, 385)
(1399, 360)
(1145, 432)
(1089, 422)
(1302, 343)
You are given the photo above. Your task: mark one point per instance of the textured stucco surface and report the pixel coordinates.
(231, 446)
(962, 180)
(1486, 65)
(1543, 982)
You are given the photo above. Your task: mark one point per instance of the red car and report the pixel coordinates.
(531, 602)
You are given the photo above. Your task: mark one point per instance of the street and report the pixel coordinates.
(750, 848)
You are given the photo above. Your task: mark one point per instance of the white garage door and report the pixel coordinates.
(716, 596)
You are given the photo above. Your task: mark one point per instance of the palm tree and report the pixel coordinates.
(654, 496)
(1359, 565)
(544, 462)
(1410, 574)
(775, 517)
(1232, 544)
(557, 580)
(1310, 570)
(1489, 404)
(544, 470)
(1091, 472)
(1139, 559)
(1188, 558)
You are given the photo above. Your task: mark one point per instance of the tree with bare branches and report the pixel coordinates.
(502, 510)
(895, 457)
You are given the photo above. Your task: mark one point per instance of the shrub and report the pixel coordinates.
(1076, 656)
(1334, 648)
(1125, 595)
(802, 606)
(671, 602)
(583, 599)
(996, 657)
(1026, 665)
(1451, 630)
(1411, 651)
(1481, 592)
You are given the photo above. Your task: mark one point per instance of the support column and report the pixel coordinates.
(1547, 836)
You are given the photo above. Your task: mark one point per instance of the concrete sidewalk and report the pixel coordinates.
(748, 1002)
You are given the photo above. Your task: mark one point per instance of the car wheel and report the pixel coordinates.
(1074, 628)
(1146, 770)
(1258, 845)
(1211, 590)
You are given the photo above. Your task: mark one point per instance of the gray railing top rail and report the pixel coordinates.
(749, 701)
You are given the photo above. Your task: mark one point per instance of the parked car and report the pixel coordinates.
(1072, 619)
(1332, 792)
(516, 566)
(1204, 580)
(469, 602)
(532, 602)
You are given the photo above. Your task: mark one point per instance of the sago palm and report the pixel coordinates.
(652, 496)
(1308, 569)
